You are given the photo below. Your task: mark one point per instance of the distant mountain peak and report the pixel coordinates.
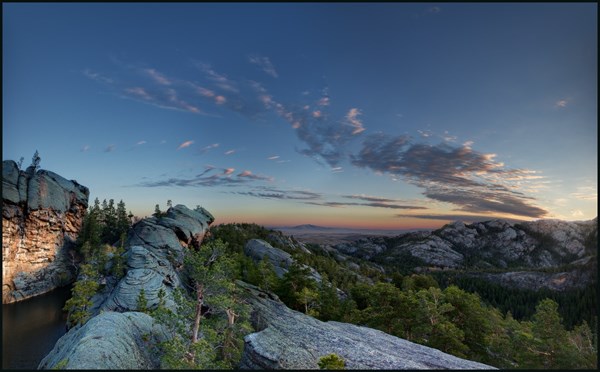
(309, 226)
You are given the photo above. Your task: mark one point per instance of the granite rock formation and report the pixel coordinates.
(42, 214)
(289, 339)
(118, 336)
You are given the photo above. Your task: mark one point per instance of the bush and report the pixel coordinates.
(331, 361)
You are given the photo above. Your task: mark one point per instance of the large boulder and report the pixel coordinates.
(108, 341)
(42, 214)
(288, 339)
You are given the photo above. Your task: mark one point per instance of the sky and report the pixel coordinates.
(380, 116)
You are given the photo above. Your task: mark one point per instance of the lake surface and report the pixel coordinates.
(30, 328)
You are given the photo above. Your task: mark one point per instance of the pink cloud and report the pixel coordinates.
(185, 144)
(316, 114)
(352, 117)
(228, 171)
(219, 100)
(245, 173)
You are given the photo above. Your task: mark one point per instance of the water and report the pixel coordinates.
(30, 328)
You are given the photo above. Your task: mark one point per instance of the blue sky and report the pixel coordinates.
(389, 115)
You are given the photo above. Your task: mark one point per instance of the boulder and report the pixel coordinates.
(288, 339)
(42, 214)
(108, 341)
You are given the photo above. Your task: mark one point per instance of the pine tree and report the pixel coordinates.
(80, 302)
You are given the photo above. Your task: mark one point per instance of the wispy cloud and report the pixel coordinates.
(110, 148)
(266, 192)
(225, 178)
(250, 175)
(585, 193)
(561, 103)
(370, 198)
(140, 143)
(85, 148)
(273, 157)
(264, 63)
(229, 152)
(185, 144)
(434, 9)
(372, 204)
(458, 175)
(354, 121)
(157, 76)
(208, 148)
(97, 76)
(140, 93)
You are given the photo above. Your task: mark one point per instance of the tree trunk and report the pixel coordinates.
(199, 301)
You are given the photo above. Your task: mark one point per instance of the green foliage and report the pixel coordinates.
(331, 361)
(290, 288)
(142, 302)
(209, 326)
(80, 302)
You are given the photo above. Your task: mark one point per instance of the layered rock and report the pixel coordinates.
(42, 214)
(292, 340)
(117, 336)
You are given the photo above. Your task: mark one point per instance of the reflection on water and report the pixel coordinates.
(30, 328)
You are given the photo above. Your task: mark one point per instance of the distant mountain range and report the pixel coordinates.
(310, 228)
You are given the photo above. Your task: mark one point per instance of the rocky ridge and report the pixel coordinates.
(516, 250)
(289, 339)
(42, 214)
(154, 255)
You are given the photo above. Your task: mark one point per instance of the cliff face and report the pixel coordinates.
(42, 214)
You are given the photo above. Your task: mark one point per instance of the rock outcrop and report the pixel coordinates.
(257, 249)
(42, 214)
(520, 250)
(154, 254)
(110, 340)
(288, 339)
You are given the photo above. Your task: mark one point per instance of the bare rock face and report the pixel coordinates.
(288, 339)
(42, 214)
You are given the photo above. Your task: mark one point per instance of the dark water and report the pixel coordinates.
(30, 328)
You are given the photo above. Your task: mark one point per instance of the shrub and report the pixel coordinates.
(331, 361)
